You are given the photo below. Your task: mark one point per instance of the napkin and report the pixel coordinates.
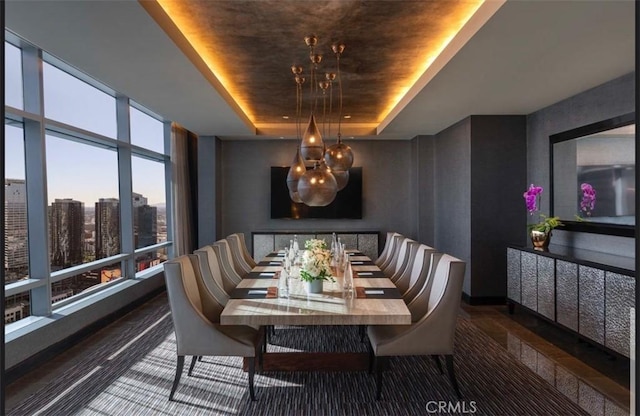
(272, 292)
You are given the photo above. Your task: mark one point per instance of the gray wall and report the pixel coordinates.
(479, 176)
(611, 99)
(498, 169)
(207, 189)
(453, 193)
(245, 187)
(423, 152)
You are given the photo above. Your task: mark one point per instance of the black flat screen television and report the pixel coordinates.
(348, 202)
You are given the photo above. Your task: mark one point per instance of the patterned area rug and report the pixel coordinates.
(131, 372)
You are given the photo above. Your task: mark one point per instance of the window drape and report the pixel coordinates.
(184, 194)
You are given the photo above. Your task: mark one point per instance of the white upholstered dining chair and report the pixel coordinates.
(221, 248)
(433, 334)
(243, 247)
(400, 260)
(386, 250)
(228, 257)
(196, 334)
(419, 272)
(235, 246)
(402, 274)
(219, 286)
(393, 251)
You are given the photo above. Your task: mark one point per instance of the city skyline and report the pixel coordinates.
(89, 189)
(93, 170)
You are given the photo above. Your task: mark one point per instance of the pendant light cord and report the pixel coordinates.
(340, 95)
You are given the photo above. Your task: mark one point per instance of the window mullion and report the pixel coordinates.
(36, 167)
(126, 185)
(168, 189)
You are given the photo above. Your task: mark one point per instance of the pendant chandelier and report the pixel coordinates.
(318, 186)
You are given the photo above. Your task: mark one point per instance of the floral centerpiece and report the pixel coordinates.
(540, 231)
(316, 265)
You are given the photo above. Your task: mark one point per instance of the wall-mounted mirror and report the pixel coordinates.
(593, 177)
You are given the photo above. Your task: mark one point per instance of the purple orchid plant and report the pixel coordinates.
(532, 200)
(588, 203)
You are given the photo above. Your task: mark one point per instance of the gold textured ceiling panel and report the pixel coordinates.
(250, 46)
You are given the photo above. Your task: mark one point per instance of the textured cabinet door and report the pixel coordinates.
(567, 294)
(529, 280)
(262, 245)
(350, 241)
(546, 287)
(283, 240)
(368, 244)
(619, 299)
(591, 303)
(513, 274)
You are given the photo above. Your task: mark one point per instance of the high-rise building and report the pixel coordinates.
(16, 260)
(139, 200)
(107, 220)
(146, 225)
(66, 235)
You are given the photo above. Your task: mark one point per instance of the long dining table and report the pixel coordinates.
(374, 301)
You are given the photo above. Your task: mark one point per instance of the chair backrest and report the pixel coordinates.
(419, 305)
(245, 251)
(221, 248)
(444, 300)
(388, 266)
(419, 273)
(385, 251)
(402, 259)
(236, 255)
(184, 298)
(405, 279)
(195, 333)
(212, 274)
(226, 249)
(403, 273)
(433, 334)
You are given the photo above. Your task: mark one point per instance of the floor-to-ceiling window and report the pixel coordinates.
(86, 190)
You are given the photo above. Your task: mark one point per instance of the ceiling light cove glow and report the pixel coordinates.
(458, 22)
(181, 17)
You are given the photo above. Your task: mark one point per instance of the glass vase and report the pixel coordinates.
(314, 286)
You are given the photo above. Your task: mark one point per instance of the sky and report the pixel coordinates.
(74, 170)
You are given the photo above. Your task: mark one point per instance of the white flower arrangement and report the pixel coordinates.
(315, 244)
(316, 264)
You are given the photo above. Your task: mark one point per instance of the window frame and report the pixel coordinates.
(36, 127)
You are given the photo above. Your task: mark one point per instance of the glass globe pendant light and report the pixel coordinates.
(342, 178)
(339, 156)
(312, 146)
(296, 171)
(317, 187)
(298, 167)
